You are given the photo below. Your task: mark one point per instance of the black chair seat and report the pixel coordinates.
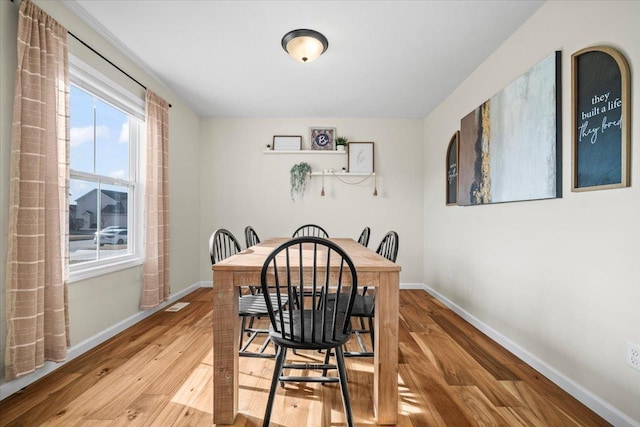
(255, 305)
(363, 305)
(307, 340)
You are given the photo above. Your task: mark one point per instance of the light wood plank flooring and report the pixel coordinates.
(159, 373)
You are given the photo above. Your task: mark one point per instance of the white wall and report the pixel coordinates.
(241, 186)
(560, 278)
(98, 305)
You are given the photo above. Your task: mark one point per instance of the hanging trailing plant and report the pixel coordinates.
(300, 174)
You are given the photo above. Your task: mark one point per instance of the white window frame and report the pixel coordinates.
(100, 86)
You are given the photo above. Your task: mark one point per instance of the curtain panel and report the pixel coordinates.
(36, 292)
(156, 288)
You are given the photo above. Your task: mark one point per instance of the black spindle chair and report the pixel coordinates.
(364, 304)
(364, 237)
(223, 244)
(250, 236)
(311, 230)
(314, 266)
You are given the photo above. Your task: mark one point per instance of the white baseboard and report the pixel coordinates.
(588, 398)
(414, 286)
(8, 388)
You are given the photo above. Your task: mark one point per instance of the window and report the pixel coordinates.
(105, 193)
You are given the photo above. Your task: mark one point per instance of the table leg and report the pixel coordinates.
(225, 348)
(385, 362)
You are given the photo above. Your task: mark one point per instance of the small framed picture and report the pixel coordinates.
(360, 157)
(287, 142)
(323, 138)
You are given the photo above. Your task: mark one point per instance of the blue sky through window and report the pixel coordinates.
(99, 143)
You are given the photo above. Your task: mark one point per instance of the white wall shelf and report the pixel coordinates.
(303, 152)
(327, 174)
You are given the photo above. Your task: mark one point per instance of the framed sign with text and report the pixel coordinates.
(601, 112)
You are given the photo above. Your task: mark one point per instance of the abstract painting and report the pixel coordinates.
(510, 146)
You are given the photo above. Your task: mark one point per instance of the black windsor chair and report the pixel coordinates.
(250, 236)
(311, 230)
(364, 303)
(364, 237)
(303, 264)
(223, 244)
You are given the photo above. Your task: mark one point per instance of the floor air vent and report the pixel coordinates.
(177, 306)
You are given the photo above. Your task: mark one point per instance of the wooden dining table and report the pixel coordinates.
(244, 269)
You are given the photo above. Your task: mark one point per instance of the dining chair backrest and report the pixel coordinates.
(250, 236)
(311, 230)
(388, 247)
(302, 265)
(364, 237)
(222, 244)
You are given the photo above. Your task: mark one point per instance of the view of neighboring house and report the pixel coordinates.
(84, 215)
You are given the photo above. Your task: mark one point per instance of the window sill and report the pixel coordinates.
(99, 270)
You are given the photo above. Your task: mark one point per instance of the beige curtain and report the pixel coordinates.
(156, 287)
(36, 295)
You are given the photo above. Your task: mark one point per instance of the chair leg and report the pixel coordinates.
(371, 332)
(326, 362)
(243, 326)
(342, 375)
(277, 371)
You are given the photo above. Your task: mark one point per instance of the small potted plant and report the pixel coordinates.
(341, 143)
(300, 174)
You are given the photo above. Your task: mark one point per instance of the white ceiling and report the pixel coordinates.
(392, 59)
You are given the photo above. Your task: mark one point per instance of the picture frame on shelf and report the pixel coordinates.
(360, 157)
(322, 138)
(287, 143)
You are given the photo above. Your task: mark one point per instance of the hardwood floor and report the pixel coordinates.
(159, 373)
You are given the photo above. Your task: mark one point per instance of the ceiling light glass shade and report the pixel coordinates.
(304, 45)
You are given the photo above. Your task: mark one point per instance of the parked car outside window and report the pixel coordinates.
(112, 235)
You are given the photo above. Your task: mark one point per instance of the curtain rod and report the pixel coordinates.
(106, 59)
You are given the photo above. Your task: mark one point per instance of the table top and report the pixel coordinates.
(253, 258)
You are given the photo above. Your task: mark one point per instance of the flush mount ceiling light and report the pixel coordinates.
(304, 45)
